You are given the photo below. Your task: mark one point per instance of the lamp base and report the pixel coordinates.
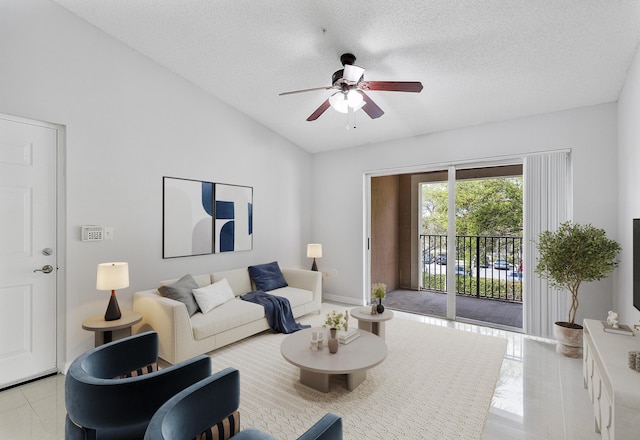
(314, 266)
(113, 310)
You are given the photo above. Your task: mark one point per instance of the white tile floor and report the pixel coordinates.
(539, 396)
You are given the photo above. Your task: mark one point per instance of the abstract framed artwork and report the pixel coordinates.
(233, 229)
(187, 227)
(200, 218)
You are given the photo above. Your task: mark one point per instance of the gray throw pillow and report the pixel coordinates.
(182, 290)
(267, 276)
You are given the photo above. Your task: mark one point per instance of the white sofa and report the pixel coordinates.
(181, 337)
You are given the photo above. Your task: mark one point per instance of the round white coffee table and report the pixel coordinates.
(369, 322)
(352, 359)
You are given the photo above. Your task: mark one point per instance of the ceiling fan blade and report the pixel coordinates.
(305, 90)
(319, 111)
(392, 86)
(370, 107)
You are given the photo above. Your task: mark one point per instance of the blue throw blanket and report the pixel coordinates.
(277, 309)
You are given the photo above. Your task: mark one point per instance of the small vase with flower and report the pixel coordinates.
(379, 291)
(335, 321)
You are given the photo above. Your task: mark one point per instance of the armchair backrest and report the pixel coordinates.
(98, 400)
(197, 408)
(211, 401)
(119, 357)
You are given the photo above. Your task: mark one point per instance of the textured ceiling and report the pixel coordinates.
(479, 60)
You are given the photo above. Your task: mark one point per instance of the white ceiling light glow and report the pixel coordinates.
(355, 99)
(341, 101)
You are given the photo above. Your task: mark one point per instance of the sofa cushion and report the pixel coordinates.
(296, 297)
(238, 280)
(201, 280)
(267, 276)
(228, 316)
(213, 295)
(182, 290)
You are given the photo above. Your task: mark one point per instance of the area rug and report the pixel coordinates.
(435, 383)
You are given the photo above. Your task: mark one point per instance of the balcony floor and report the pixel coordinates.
(492, 312)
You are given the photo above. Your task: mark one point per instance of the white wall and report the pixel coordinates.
(629, 183)
(338, 184)
(128, 123)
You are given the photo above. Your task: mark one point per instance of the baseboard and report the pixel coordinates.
(341, 299)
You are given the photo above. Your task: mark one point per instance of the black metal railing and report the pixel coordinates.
(485, 266)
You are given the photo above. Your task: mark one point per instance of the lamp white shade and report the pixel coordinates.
(112, 276)
(314, 250)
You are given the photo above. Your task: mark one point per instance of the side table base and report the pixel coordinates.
(377, 328)
(111, 335)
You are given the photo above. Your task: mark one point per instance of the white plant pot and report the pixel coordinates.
(569, 340)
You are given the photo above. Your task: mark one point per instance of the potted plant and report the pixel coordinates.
(379, 291)
(570, 256)
(335, 321)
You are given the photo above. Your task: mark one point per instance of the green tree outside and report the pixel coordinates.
(488, 207)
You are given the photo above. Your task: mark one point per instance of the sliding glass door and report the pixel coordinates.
(465, 235)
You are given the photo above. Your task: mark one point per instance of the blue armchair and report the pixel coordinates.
(104, 402)
(206, 406)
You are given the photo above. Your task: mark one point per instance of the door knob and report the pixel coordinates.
(46, 269)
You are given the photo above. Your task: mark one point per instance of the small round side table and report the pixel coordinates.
(107, 331)
(371, 323)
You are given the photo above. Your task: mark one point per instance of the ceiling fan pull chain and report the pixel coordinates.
(351, 111)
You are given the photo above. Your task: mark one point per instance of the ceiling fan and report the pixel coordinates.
(350, 85)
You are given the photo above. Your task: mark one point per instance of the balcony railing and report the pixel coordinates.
(486, 266)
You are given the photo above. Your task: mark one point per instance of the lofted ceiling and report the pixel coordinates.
(479, 61)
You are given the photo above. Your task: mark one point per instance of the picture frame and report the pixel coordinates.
(201, 217)
(187, 217)
(233, 218)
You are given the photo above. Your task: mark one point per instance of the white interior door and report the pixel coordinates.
(28, 155)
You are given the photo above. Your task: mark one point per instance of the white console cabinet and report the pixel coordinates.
(614, 388)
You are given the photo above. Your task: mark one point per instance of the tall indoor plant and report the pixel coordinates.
(570, 256)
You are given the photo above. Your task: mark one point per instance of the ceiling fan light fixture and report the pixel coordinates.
(355, 99)
(350, 95)
(339, 102)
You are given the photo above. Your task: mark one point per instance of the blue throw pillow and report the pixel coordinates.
(267, 276)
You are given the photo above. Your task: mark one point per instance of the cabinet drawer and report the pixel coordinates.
(596, 396)
(606, 416)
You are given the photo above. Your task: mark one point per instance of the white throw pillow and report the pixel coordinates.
(213, 295)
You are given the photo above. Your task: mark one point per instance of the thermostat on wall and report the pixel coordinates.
(92, 233)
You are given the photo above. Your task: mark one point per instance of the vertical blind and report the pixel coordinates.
(547, 204)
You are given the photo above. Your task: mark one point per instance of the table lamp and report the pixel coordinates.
(112, 276)
(314, 250)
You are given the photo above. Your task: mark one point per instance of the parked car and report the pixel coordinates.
(459, 270)
(515, 276)
(484, 263)
(441, 259)
(428, 258)
(501, 264)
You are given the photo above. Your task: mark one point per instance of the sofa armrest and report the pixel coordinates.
(167, 317)
(305, 279)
